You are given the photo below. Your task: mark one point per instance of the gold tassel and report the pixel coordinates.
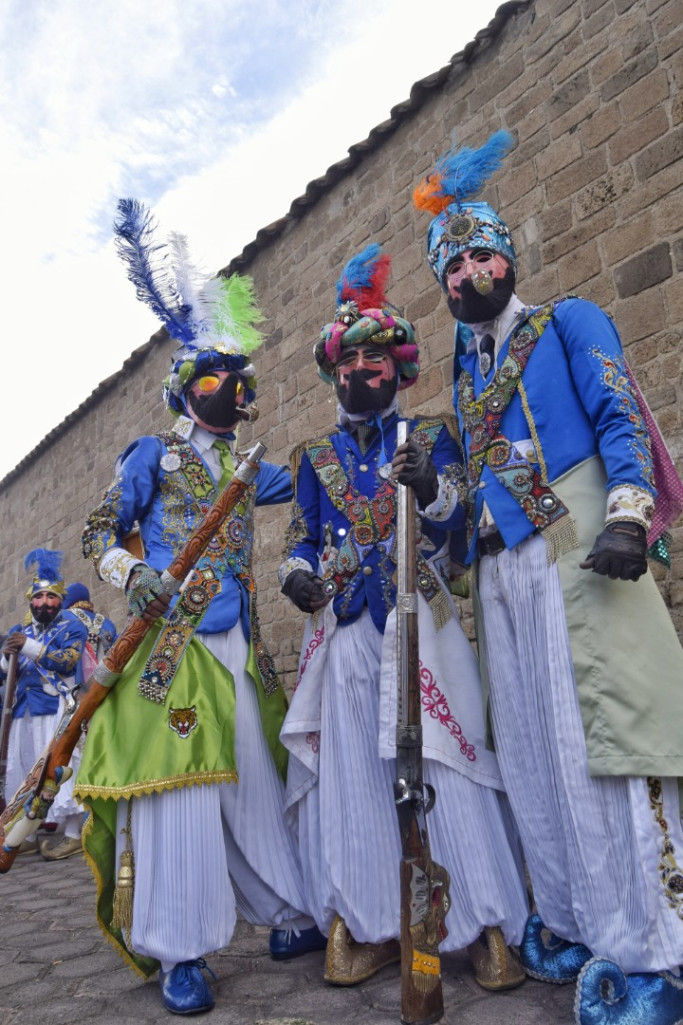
(123, 894)
(441, 610)
(560, 537)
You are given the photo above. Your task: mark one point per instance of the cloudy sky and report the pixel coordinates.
(217, 113)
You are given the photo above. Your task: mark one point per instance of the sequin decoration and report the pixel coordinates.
(670, 873)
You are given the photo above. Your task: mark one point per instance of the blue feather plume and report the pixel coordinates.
(154, 282)
(364, 277)
(48, 563)
(464, 172)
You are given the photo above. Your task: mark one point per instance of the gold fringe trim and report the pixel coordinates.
(441, 609)
(99, 886)
(560, 537)
(297, 453)
(156, 786)
(534, 433)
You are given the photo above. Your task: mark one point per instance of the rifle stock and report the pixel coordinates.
(424, 884)
(31, 803)
(6, 721)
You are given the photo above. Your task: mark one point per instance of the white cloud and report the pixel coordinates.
(184, 106)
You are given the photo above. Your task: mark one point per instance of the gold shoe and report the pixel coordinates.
(348, 963)
(495, 965)
(28, 846)
(57, 850)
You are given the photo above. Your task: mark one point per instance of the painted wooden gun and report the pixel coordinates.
(424, 884)
(6, 721)
(31, 803)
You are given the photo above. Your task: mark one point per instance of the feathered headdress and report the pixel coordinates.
(213, 319)
(47, 576)
(460, 224)
(365, 316)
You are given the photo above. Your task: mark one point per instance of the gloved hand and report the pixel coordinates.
(305, 589)
(619, 551)
(412, 465)
(145, 593)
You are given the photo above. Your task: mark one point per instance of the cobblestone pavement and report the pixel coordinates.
(56, 968)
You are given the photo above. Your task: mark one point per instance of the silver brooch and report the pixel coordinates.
(170, 462)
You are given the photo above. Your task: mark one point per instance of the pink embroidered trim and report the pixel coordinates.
(313, 739)
(435, 703)
(315, 642)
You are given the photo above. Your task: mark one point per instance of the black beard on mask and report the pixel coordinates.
(473, 308)
(359, 397)
(219, 408)
(44, 615)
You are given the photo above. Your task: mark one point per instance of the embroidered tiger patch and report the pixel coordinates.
(182, 720)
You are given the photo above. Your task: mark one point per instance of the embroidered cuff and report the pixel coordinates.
(289, 566)
(445, 502)
(627, 502)
(116, 566)
(33, 649)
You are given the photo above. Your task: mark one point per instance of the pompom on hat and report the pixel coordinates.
(212, 319)
(460, 224)
(365, 317)
(47, 566)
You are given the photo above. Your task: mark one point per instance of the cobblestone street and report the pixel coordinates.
(56, 968)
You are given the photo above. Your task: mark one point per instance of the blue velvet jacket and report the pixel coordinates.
(154, 492)
(39, 681)
(578, 403)
(315, 515)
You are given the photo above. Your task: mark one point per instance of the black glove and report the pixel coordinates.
(305, 589)
(619, 552)
(144, 585)
(415, 468)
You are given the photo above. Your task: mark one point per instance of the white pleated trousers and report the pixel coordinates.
(592, 844)
(348, 831)
(28, 738)
(202, 852)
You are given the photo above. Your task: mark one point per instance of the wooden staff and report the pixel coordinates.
(424, 884)
(31, 803)
(6, 721)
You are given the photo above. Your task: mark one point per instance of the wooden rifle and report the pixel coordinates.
(424, 884)
(32, 801)
(6, 721)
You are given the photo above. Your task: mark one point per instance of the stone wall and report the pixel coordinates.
(592, 193)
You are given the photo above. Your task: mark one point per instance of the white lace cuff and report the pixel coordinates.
(289, 565)
(116, 566)
(628, 502)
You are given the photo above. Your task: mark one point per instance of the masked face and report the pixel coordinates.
(44, 606)
(213, 398)
(480, 284)
(366, 379)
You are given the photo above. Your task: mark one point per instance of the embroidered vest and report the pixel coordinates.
(482, 416)
(372, 521)
(229, 550)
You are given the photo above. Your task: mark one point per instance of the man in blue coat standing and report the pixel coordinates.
(48, 648)
(568, 483)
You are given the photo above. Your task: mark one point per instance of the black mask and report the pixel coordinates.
(359, 397)
(217, 409)
(473, 308)
(44, 614)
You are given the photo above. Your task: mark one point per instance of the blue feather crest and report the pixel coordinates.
(358, 272)
(464, 172)
(154, 282)
(48, 564)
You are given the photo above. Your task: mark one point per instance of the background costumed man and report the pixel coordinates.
(182, 765)
(340, 729)
(569, 480)
(65, 811)
(48, 649)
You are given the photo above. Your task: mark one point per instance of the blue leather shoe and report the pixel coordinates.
(605, 996)
(184, 989)
(549, 958)
(288, 943)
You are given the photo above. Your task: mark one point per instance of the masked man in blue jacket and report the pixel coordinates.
(568, 483)
(48, 648)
